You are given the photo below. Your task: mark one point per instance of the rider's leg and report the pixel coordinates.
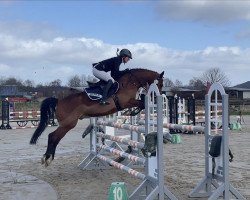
(105, 93)
(102, 75)
(106, 77)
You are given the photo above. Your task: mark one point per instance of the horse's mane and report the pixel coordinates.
(142, 69)
(127, 71)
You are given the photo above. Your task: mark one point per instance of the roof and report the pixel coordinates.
(181, 89)
(245, 85)
(240, 89)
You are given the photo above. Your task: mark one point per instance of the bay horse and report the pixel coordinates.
(78, 106)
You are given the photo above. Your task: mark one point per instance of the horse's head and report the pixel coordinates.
(160, 81)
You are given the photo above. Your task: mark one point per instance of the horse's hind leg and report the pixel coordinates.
(53, 140)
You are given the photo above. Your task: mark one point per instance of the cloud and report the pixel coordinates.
(184, 65)
(46, 59)
(205, 11)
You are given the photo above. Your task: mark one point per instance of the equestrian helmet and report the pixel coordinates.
(125, 53)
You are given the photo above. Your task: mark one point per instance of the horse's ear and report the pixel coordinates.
(161, 75)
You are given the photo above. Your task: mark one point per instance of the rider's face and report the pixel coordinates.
(126, 59)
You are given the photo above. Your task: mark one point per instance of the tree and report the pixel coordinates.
(13, 81)
(74, 81)
(55, 83)
(213, 75)
(196, 83)
(29, 83)
(168, 82)
(84, 80)
(178, 83)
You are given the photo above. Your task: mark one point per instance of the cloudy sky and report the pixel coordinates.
(47, 40)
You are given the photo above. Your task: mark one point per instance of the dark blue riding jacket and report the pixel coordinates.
(111, 64)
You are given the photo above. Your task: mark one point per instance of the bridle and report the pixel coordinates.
(141, 85)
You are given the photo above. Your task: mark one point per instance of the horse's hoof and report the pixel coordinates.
(43, 160)
(46, 162)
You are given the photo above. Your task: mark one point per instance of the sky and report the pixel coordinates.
(47, 40)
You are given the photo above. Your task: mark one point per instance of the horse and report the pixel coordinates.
(78, 106)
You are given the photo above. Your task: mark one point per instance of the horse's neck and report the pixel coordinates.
(141, 79)
(144, 78)
(134, 81)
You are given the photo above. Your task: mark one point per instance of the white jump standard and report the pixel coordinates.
(217, 184)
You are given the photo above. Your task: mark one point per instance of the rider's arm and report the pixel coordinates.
(116, 66)
(99, 66)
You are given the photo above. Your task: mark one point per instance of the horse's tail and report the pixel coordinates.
(47, 107)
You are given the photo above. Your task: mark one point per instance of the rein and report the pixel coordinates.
(136, 78)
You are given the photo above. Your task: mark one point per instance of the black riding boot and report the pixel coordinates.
(104, 101)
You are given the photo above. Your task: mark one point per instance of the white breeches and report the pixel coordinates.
(102, 75)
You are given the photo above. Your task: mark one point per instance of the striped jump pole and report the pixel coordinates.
(122, 154)
(122, 167)
(122, 126)
(181, 127)
(184, 127)
(125, 141)
(203, 112)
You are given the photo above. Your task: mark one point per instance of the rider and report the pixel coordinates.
(101, 70)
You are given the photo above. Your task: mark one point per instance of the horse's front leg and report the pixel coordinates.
(137, 103)
(53, 140)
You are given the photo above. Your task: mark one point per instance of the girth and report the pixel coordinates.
(116, 101)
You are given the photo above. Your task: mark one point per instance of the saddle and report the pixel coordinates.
(95, 90)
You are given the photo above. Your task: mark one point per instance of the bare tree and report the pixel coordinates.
(178, 83)
(168, 82)
(213, 75)
(196, 83)
(13, 81)
(74, 81)
(29, 83)
(56, 83)
(83, 80)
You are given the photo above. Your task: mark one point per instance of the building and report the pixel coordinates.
(240, 92)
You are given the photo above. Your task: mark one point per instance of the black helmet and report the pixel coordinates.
(125, 52)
